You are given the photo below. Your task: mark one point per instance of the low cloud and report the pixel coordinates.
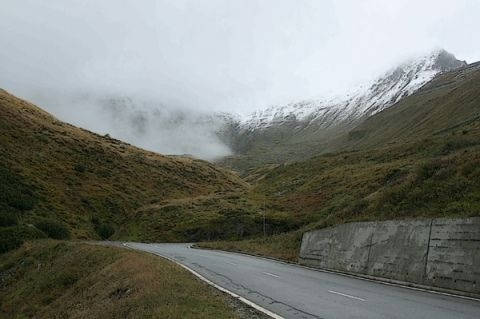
(145, 123)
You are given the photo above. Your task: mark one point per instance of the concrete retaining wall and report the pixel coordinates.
(442, 253)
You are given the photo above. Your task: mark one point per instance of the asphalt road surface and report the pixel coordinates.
(297, 292)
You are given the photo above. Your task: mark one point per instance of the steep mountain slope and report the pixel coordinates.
(300, 130)
(94, 185)
(365, 101)
(432, 177)
(446, 104)
(419, 158)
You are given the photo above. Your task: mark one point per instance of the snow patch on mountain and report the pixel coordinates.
(365, 100)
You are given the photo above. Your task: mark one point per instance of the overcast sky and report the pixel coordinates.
(221, 54)
(147, 71)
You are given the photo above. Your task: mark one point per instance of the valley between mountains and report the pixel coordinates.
(407, 146)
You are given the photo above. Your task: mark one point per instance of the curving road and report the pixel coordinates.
(297, 292)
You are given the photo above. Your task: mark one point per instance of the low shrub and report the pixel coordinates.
(13, 237)
(9, 239)
(428, 169)
(21, 201)
(8, 219)
(457, 144)
(14, 193)
(105, 231)
(81, 168)
(53, 229)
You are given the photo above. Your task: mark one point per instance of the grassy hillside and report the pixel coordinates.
(449, 103)
(62, 181)
(286, 143)
(49, 279)
(429, 178)
(230, 217)
(419, 158)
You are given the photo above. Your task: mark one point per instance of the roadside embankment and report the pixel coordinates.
(58, 279)
(441, 253)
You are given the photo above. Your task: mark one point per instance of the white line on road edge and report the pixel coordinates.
(356, 276)
(269, 274)
(345, 295)
(231, 293)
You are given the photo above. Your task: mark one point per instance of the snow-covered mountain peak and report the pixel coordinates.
(365, 100)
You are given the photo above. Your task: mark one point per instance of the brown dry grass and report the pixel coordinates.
(282, 246)
(48, 279)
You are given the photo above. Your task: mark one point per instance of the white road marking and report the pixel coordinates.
(345, 295)
(234, 295)
(233, 264)
(269, 274)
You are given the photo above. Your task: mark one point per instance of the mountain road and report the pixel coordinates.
(292, 291)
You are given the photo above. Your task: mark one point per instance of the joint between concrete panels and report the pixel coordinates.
(428, 250)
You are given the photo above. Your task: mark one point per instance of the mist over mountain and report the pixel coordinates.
(173, 63)
(299, 130)
(366, 100)
(172, 128)
(146, 123)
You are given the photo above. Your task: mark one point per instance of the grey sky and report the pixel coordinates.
(149, 71)
(228, 55)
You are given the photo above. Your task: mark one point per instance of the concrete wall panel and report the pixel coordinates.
(442, 253)
(399, 250)
(350, 247)
(454, 254)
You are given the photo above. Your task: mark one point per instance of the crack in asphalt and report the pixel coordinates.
(390, 298)
(250, 291)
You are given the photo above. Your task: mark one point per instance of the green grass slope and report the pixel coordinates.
(61, 181)
(419, 158)
(428, 178)
(447, 104)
